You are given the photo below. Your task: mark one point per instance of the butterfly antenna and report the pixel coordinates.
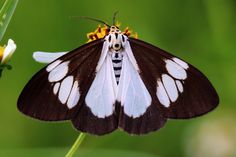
(91, 19)
(114, 18)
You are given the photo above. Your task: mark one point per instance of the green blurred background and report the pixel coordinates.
(202, 32)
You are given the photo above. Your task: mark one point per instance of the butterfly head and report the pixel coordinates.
(114, 29)
(116, 38)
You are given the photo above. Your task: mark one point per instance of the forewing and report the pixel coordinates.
(176, 87)
(58, 90)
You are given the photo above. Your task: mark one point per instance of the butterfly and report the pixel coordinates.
(117, 82)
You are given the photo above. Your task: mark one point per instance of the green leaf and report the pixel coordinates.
(6, 13)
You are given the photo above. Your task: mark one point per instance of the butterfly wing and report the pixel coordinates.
(139, 113)
(98, 115)
(177, 88)
(57, 91)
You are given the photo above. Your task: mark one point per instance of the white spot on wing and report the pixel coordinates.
(162, 95)
(175, 70)
(56, 88)
(181, 63)
(58, 72)
(74, 96)
(53, 65)
(170, 87)
(65, 89)
(179, 85)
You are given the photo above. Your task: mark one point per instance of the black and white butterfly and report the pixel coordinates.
(117, 82)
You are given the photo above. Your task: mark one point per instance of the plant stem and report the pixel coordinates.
(76, 145)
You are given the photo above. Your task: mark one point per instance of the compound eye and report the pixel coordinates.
(113, 27)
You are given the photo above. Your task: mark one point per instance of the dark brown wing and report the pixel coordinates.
(38, 99)
(86, 121)
(152, 120)
(196, 97)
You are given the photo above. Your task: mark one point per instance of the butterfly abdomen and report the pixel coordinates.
(117, 64)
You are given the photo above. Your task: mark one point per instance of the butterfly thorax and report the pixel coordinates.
(116, 39)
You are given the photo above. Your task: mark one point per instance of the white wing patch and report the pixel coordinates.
(47, 57)
(53, 65)
(68, 91)
(170, 86)
(132, 93)
(179, 86)
(57, 71)
(101, 96)
(175, 70)
(162, 95)
(64, 87)
(56, 88)
(181, 63)
(74, 96)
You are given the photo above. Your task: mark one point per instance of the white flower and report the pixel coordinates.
(47, 57)
(7, 52)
